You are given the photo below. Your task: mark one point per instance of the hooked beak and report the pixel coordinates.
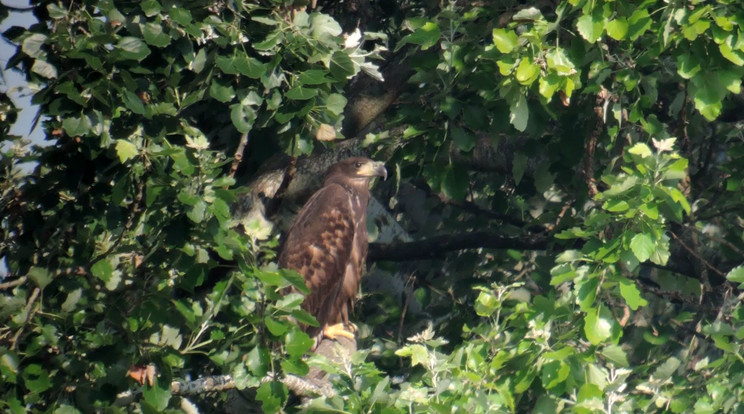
(379, 169)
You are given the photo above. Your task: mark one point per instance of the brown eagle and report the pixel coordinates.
(327, 244)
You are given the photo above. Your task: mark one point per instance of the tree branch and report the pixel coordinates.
(435, 247)
(238, 157)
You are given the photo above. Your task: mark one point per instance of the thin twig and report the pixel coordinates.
(13, 283)
(409, 292)
(697, 256)
(29, 314)
(591, 144)
(718, 240)
(238, 157)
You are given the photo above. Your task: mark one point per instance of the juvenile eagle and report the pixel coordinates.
(327, 244)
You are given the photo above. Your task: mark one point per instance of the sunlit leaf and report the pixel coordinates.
(505, 40)
(631, 294)
(598, 325)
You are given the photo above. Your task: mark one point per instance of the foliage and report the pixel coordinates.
(608, 128)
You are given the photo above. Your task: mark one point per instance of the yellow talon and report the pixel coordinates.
(339, 329)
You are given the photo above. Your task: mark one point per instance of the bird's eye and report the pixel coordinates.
(358, 164)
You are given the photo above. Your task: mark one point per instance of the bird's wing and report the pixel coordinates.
(319, 246)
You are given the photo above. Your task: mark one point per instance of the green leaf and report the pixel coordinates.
(486, 304)
(226, 64)
(616, 206)
(642, 246)
(268, 277)
(8, 365)
(249, 66)
(133, 48)
(688, 64)
(41, 276)
(44, 68)
(418, 353)
(341, 65)
(66, 409)
(158, 395)
(295, 279)
(295, 366)
(56, 12)
(300, 93)
(297, 343)
(153, 34)
(74, 126)
(527, 72)
(242, 117)
(32, 45)
(708, 94)
(324, 27)
(102, 269)
(667, 369)
(638, 23)
(598, 325)
(221, 92)
(289, 301)
(631, 294)
(72, 300)
(641, 149)
(36, 378)
(661, 253)
(425, 36)
(133, 102)
(125, 150)
(561, 273)
(257, 361)
(276, 328)
(731, 80)
(734, 56)
(197, 65)
(736, 275)
(314, 77)
(505, 40)
(519, 113)
(150, 7)
(549, 84)
(617, 28)
(464, 140)
(336, 103)
(554, 373)
(197, 213)
(272, 395)
(616, 355)
(560, 62)
(264, 20)
(303, 317)
(590, 27)
(587, 292)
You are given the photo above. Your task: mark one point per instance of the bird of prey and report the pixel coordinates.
(327, 244)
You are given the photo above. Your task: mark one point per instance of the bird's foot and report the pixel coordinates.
(340, 329)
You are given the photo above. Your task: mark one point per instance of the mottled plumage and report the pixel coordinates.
(327, 243)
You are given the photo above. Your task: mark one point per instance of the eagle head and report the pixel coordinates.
(358, 168)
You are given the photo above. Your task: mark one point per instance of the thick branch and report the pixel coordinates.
(435, 247)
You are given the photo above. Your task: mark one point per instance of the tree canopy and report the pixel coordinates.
(562, 230)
